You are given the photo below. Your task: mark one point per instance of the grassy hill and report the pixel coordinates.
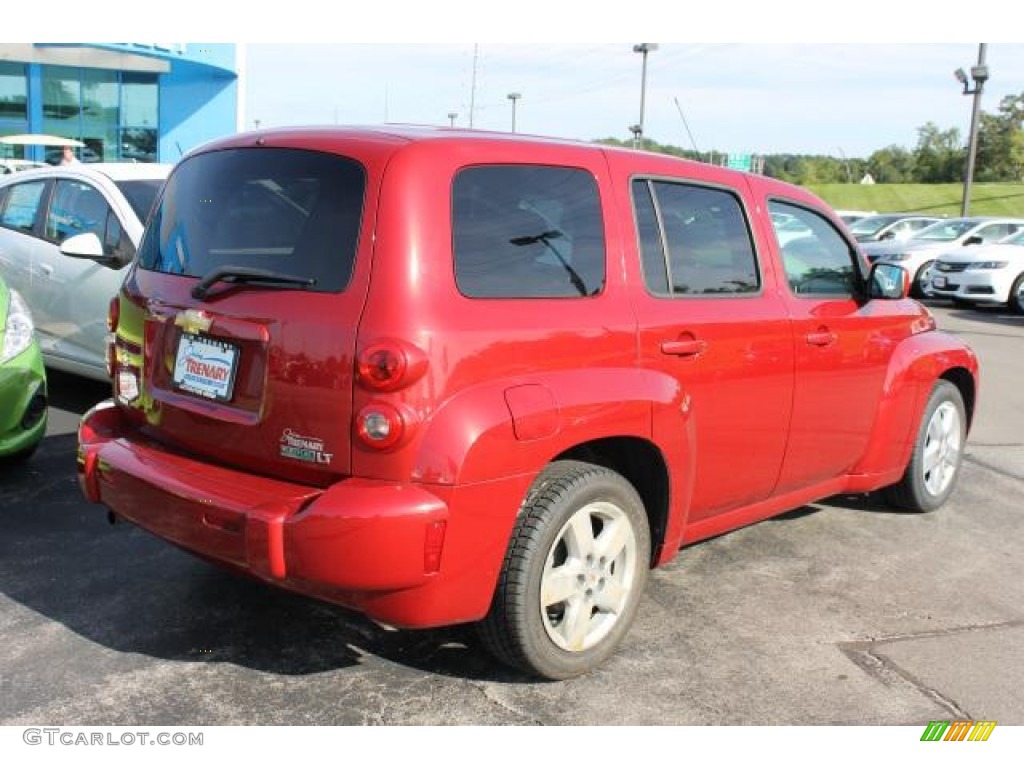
(986, 199)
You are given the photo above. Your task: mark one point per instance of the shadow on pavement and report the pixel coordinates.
(126, 590)
(72, 393)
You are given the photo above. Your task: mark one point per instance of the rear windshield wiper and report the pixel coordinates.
(229, 274)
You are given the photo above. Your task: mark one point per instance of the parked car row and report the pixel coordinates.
(917, 254)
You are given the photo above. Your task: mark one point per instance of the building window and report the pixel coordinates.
(13, 92)
(115, 114)
(13, 105)
(139, 116)
(100, 113)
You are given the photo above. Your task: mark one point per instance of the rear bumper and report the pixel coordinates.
(375, 546)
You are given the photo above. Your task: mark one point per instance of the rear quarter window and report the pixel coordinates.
(527, 231)
(291, 211)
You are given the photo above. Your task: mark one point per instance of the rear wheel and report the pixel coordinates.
(573, 574)
(935, 463)
(1016, 299)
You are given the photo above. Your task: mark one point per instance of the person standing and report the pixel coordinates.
(68, 156)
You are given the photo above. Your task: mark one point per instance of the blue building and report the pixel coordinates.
(150, 102)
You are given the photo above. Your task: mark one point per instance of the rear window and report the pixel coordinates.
(527, 231)
(291, 211)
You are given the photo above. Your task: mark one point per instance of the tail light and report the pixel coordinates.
(381, 425)
(390, 365)
(114, 314)
(113, 318)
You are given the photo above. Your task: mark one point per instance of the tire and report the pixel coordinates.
(1015, 301)
(593, 582)
(938, 450)
(918, 289)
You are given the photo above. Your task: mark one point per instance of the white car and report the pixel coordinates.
(67, 235)
(849, 217)
(890, 226)
(990, 275)
(917, 254)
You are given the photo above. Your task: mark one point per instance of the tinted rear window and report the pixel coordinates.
(527, 231)
(140, 194)
(291, 211)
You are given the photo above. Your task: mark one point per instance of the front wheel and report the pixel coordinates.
(573, 574)
(922, 285)
(1016, 302)
(938, 450)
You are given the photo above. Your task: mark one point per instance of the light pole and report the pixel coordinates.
(451, 118)
(979, 74)
(643, 49)
(514, 97)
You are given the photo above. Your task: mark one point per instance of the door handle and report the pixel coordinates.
(684, 347)
(822, 337)
(45, 270)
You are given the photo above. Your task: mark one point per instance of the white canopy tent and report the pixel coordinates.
(40, 139)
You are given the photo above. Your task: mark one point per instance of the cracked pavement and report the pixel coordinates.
(844, 612)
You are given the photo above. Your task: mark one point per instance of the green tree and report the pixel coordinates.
(939, 157)
(891, 165)
(1001, 142)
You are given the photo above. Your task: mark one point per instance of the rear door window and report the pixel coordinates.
(694, 240)
(291, 211)
(76, 208)
(527, 231)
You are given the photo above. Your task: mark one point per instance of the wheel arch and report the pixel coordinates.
(962, 379)
(640, 462)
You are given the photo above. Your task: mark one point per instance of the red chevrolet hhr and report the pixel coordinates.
(442, 376)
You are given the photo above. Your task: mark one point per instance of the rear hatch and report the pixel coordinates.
(242, 310)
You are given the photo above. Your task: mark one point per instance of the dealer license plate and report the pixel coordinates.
(205, 366)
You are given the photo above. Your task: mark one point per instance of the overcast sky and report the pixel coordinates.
(317, 62)
(803, 98)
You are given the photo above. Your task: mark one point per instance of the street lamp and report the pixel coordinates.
(451, 118)
(979, 74)
(514, 97)
(644, 49)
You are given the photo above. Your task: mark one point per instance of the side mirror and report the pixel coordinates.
(974, 240)
(88, 246)
(888, 281)
(890, 235)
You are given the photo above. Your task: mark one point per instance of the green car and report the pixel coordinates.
(22, 379)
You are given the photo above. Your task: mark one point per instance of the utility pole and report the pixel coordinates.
(638, 129)
(979, 74)
(472, 89)
(514, 97)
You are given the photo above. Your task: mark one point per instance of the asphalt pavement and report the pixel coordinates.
(844, 612)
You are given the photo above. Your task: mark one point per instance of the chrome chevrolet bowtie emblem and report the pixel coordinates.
(193, 320)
